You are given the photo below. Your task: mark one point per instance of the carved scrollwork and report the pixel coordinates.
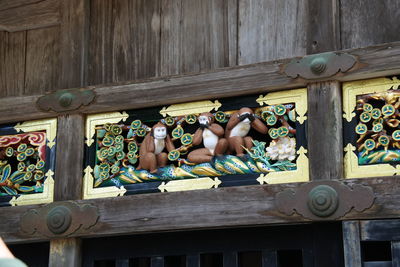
(59, 219)
(325, 200)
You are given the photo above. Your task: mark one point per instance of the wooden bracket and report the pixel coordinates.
(319, 66)
(59, 219)
(66, 100)
(324, 200)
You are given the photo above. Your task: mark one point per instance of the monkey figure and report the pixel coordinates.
(238, 128)
(210, 133)
(151, 150)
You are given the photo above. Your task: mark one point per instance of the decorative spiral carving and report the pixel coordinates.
(323, 201)
(318, 65)
(59, 219)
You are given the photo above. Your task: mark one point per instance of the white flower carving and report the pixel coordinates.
(283, 148)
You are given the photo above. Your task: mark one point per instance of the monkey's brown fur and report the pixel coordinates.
(148, 160)
(202, 155)
(236, 143)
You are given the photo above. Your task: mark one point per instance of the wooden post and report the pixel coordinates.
(65, 252)
(325, 137)
(351, 244)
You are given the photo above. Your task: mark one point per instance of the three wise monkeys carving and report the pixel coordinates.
(214, 139)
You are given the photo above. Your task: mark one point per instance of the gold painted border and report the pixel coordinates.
(47, 196)
(301, 174)
(190, 108)
(350, 92)
(190, 184)
(89, 192)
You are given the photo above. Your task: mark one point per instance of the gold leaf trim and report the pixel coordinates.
(301, 174)
(190, 184)
(190, 108)
(49, 125)
(352, 89)
(353, 170)
(89, 192)
(297, 96)
(37, 198)
(99, 119)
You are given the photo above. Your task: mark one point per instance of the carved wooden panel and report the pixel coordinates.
(371, 139)
(198, 145)
(27, 160)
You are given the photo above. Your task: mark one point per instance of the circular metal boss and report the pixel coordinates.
(323, 201)
(318, 65)
(59, 219)
(65, 99)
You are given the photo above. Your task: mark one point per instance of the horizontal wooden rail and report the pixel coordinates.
(202, 209)
(374, 61)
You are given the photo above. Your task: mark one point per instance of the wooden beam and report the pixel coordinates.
(375, 61)
(21, 15)
(325, 135)
(207, 209)
(351, 244)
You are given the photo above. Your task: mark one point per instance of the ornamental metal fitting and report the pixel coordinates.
(320, 66)
(325, 200)
(66, 100)
(59, 219)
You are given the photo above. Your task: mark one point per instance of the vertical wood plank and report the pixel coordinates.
(65, 253)
(325, 137)
(270, 29)
(230, 259)
(69, 160)
(193, 260)
(136, 39)
(395, 253)
(74, 28)
(269, 258)
(157, 261)
(12, 63)
(42, 60)
(197, 35)
(100, 42)
(323, 30)
(351, 244)
(308, 258)
(369, 22)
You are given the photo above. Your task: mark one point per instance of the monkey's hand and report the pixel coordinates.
(251, 117)
(243, 116)
(204, 126)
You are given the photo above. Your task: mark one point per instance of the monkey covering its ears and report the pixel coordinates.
(151, 155)
(210, 133)
(238, 128)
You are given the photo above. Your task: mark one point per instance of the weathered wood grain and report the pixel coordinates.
(69, 161)
(323, 29)
(25, 15)
(65, 252)
(203, 209)
(369, 22)
(380, 230)
(73, 47)
(100, 67)
(351, 244)
(396, 254)
(197, 35)
(42, 64)
(12, 62)
(270, 30)
(325, 135)
(124, 40)
(376, 61)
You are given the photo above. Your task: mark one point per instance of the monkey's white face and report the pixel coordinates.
(203, 120)
(160, 132)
